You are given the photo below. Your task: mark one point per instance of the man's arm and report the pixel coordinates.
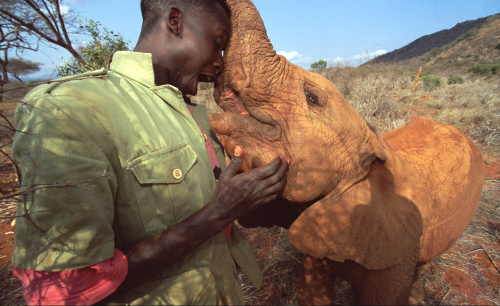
(235, 196)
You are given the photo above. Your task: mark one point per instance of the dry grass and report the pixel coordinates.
(370, 90)
(280, 264)
(472, 107)
(10, 288)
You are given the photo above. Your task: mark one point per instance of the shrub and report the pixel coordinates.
(467, 35)
(435, 51)
(431, 81)
(495, 69)
(479, 69)
(455, 80)
(497, 46)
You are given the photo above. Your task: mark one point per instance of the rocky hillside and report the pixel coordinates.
(473, 40)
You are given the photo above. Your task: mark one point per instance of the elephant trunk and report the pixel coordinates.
(251, 64)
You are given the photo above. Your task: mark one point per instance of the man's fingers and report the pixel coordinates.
(267, 170)
(235, 163)
(269, 199)
(279, 174)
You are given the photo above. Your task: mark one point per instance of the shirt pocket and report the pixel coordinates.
(160, 186)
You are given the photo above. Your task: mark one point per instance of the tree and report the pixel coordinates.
(46, 21)
(319, 65)
(19, 67)
(98, 53)
(12, 37)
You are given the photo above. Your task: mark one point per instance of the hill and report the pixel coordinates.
(469, 41)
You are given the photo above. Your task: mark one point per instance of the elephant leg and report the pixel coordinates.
(417, 292)
(389, 286)
(316, 282)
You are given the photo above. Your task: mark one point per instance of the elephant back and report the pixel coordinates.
(451, 168)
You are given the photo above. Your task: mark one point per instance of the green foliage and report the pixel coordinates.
(497, 46)
(435, 51)
(467, 35)
(431, 81)
(483, 70)
(495, 69)
(346, 91)
(319, 65)
(98, 53)
(455, 80)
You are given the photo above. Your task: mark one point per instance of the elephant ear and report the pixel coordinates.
(376, 222)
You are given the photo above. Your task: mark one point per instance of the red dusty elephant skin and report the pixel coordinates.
(369, 209)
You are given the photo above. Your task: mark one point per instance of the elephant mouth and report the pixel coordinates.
(231, 104)
(237, 120)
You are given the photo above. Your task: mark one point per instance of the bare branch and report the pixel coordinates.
(52, 81)
(50, 186)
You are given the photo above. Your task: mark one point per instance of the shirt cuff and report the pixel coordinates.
(74, 287)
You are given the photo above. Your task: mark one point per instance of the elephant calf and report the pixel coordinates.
(369, 209)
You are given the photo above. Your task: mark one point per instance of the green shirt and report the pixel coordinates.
(130, 162)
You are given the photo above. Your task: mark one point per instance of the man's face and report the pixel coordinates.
(205, 38)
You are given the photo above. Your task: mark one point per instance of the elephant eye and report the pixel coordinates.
(312, 99)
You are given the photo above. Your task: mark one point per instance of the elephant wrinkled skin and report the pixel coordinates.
(369, 209)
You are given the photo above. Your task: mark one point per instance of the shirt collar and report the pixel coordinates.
(138, 67)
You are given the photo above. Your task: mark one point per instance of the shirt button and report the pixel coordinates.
(177, 174)
(206, 138)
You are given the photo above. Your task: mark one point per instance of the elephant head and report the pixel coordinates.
(274, 108)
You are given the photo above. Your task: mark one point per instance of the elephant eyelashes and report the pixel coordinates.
(312, 99)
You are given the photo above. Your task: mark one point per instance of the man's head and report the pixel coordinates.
(186, 39)
(152, 10)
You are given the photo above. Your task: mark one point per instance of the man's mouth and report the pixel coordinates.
(205, 77)
(231, 103)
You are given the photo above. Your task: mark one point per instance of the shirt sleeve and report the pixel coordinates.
(83, 286)
(67, 210)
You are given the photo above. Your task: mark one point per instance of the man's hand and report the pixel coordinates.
(238, 194)
(235, 196)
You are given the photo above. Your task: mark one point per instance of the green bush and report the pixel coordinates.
(431, 81)
(467, 35)
(435, 51)
(455, 80)
(495, 69)
(482, 70)
(497, 46)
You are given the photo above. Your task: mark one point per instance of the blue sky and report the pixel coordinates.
(309, 30)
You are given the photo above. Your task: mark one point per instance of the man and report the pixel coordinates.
(138, 216)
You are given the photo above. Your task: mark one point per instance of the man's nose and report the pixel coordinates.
(219, 63)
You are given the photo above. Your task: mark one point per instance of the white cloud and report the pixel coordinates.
(296, 58)
(64, 9)
(356, 59)
(364, 57)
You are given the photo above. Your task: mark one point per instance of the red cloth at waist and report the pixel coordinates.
(83, 286)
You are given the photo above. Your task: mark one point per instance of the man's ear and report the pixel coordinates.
(175, 20)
